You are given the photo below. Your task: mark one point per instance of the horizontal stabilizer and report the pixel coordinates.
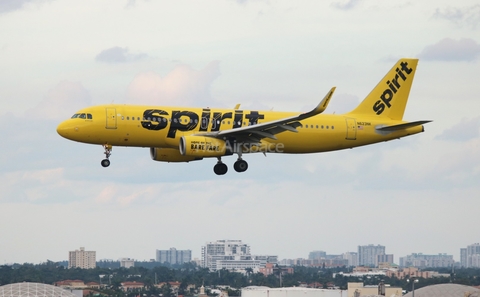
(401, 126)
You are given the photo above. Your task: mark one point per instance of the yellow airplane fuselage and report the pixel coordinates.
(125, 125)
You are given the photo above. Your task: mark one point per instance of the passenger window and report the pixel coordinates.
(327, 127)
(123, 118)
(306, 126)
(316, 126)
(322, 126)
(333, 127)
(128, 118)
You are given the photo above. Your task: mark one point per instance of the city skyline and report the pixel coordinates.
(409, 195)
(474, 250)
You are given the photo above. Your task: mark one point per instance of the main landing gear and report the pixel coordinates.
(221, 168)
(108, 152)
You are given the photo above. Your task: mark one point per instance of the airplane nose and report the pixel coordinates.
(64, 130)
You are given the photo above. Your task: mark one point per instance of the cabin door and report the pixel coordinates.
(111, 118)
(351, 129)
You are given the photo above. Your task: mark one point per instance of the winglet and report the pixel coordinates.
(320, 107)
(237, 106)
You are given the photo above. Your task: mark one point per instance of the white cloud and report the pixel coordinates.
(61, 102)
(448, 49)
(349, 5)
(182, 86)
(282, 59)
(464, 16)
(118, 54)
(12, 5)
(466, 130)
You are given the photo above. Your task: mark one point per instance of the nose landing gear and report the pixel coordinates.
(108, 152)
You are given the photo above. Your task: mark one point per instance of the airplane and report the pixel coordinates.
(184, 134)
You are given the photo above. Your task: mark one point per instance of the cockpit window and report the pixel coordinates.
(82, 116)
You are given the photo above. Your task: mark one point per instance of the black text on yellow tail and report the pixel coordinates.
(390, 95)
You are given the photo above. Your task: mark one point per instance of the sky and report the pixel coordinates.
(419, 194)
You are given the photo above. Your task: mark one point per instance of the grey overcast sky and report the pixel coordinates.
(417, 194)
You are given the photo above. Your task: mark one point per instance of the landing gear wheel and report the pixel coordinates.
(220, 169)
(105, 162)
(240, 166)
(108, 152)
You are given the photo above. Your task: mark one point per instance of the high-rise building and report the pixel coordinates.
(174, 256)
(232, 254)
(384, 258)
(367, 254)
(82, 259)
(315, 255)
(351, 257)
(421, 261)
(470, 256)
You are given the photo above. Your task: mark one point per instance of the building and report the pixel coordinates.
(271, 268)
(317, 255)
(82, 259)
(126, 286)
(351, 257)
(414, 272)
(384, 258)
(420, 260)
(446, 290)
(254, 291)
(232, 255)
(34, 289)
(358, 290)
(174, 256)
(470, 256)
(126, 262)
(367, 254)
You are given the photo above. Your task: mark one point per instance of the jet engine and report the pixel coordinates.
(170, 155)
(200, 146)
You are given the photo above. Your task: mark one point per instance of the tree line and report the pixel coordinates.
(190, 274)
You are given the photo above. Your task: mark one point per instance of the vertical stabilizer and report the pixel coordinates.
(389, 97)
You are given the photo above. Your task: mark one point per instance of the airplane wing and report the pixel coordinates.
(257, 132)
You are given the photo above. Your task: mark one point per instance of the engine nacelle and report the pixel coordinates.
(170, 155)
(200, 146)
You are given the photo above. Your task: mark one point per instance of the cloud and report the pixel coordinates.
(349, 5)
(12, 5)
(342, 103)
(182, 86)
(448, 49)
(61, 101)
(117, 54)
(469, 16)
(466, 130)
